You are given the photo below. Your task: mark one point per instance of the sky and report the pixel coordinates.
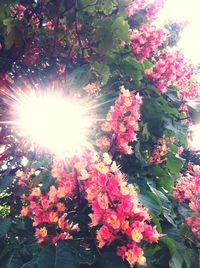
(185, 10)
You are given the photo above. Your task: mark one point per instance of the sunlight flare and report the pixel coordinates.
(53, 121)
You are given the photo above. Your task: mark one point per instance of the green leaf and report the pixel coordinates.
(8, 22)
(166, 182)
(5, 182)
(14, 33)
(106, 6)
(173, 148)
(137, 75)
(46, 257)
(64, 257)
(110, 259)
(58, 256)
(136, 64)
(147, 64)
(82, 255)
(30, 264)
(179, 130)
(81, 75)
(174, 164)
(145, 132)
(103, 70)
(166, 205)
(5, 225)
(167, 107)
(15, 261)
(153, 115)
(163, 176)
(182, 253)
(139, 156)
(104, 30)
(169, 243)
(156, 221)
(120, 28)
(176, 261)
(45, 179)
(148, 202)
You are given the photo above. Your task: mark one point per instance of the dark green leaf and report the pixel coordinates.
(108, 260)
(139, 156)
(147, 64)
(148, 202)
(58, 256)
(5, 225)
(174, 164)
(176, 261)
(120, 28)
(15, 261)
(169, 243)
(104, 29)
(47, 257)
(30, 264)
(5, 182)
(103, 70)
(64, 257)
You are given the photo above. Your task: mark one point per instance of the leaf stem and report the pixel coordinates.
(76, 28)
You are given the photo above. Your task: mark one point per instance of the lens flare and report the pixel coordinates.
(53, 121)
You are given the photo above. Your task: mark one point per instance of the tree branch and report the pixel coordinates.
(56, 28)
(76, 28)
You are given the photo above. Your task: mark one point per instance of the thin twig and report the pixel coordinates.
(76, 28)
(56, 29)
(181, 119)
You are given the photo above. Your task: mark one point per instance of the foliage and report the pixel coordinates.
(110, 52)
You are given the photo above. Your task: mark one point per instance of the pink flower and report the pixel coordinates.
(151, 8)
(41, 234)
(91, 88)
(160, 151)
(194, 224)
(172, 68)
(150, 234)
(104, 236)
(122, 122)
(103, 142)
(147, 40)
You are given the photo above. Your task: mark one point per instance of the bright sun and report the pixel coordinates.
(53, 122)
(183, 10)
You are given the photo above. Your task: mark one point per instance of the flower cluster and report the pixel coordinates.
(160, 151)
(187, 190)
(122, 122)
(31, 54)
(194, 224)
(172, 69)
(188, 90)
(151, 8)
(116, 210)
(91, 88)
(147, 40)
(49, 210)
(20, 12)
